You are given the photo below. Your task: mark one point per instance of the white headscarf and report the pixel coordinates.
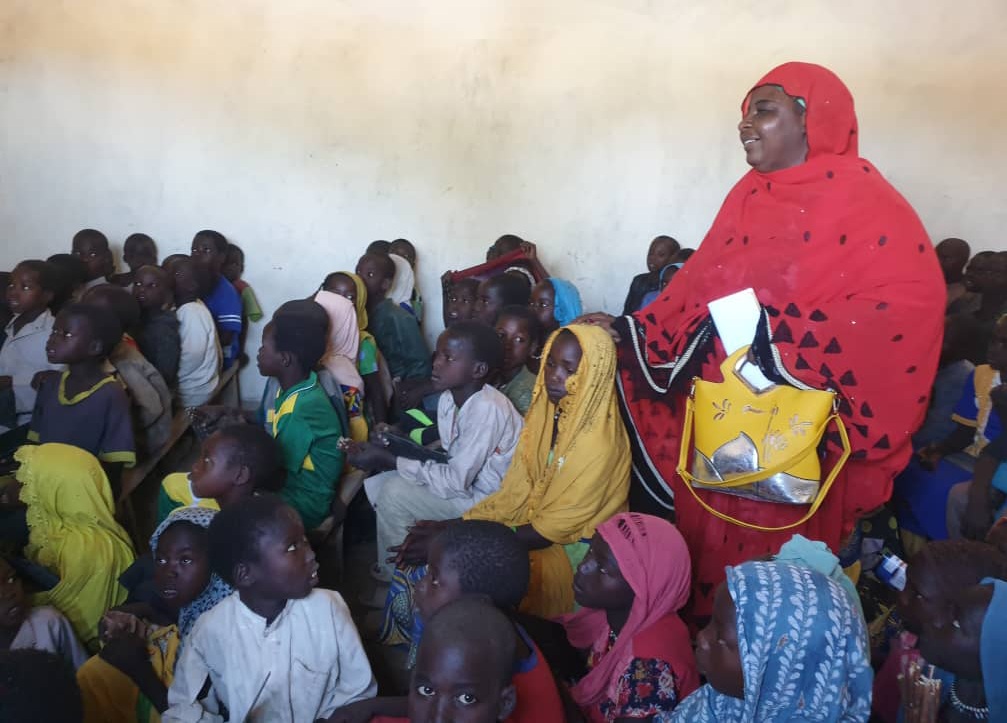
(404, 281)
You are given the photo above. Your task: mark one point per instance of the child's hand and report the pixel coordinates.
(36, 381)
(415, 548)
(600, 318)
(529, 249)
(128, 653)
(371, 457)
(116, 623)
(998, 396)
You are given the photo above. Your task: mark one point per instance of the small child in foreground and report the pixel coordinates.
(91, 247)
(278, 649)
(138, 250)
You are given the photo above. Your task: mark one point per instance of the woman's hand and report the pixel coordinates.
(600, 318)
(415, 548)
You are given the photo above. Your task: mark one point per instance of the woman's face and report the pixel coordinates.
(717, 655)
(772, 130)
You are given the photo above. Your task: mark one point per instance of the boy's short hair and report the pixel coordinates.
(301, 328)
(331, 278)
(482, 340)
(474, 622)
(139, 239)
(45, 273)
(235, 249)
(236, 530)
(173, 258)
(71, 267)
(253, 447)
(514, 290)
(119, 300)
(525, 314)
(93, 235)
(489, 560)
(103, 323)
(470, 282)
(36, 685)
(218, 239)
(379, 247)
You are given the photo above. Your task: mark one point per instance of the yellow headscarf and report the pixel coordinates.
(73, 533)
(588, 480)
(361, 302)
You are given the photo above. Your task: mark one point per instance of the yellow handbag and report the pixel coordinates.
(762, 445)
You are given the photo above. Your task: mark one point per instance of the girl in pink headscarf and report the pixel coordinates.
(340, 358)
(631, 584)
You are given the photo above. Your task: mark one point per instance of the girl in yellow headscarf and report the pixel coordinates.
(570, 472)
(73, 533)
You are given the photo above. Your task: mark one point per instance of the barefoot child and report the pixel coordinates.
(519, 329)
(277, 649)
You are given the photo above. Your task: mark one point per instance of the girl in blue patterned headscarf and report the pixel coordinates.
(785, 643)
(556, 303)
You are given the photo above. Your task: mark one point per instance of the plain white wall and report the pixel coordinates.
(304, 129)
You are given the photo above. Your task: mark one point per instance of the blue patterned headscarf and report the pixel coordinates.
(993, 650)
(216, 590)
(802, 647)
(566, 304)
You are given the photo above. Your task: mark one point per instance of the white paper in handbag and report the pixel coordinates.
(736, 317)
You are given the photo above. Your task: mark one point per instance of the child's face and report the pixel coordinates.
(213, 474)
(24, 293)
(234, 265)
(440, 586)
(13, 607)
(181, 565)
(717, 654)
(453, 365)
(204, 251)
(139, 253)
(562, 363)
(599, 583)
(70, 341)
(661, 253)
(456, 682)
(96, 257)
(461, 303)
(184, 280)
(997, 353)
(543, 303)
(152, 287)
(344, 286)
(405, 250)
(519, 346)
(372, 272)
(286, 568)
(488, 303)
(269, 360)
(922, 598)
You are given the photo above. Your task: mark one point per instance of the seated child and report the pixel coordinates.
(128, 680)
(961, 339)
(40, 628)
(137, 250)
(404, 248)
(784, 640)
(662, 252)
(556, 302)
(37, 686)
(379, 247)
(73, 534)
(234, 267)
(30, 291)
(397, 334)
(664, 278)
(630, 586)
(148, 392)
(497, 292)
(200, 358)
(341, 355)
(85, 405)
(460, 300)
(479, 429)
(71, 274)
(403, 285)
(157, 334)
(518, 328)
(235, 462)
(91, 247)
(277, 649)
(684, 255)
(209, 248)
(508, 243)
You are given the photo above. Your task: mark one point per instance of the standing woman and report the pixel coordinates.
(852, 299)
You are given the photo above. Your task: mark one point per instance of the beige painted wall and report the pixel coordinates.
(303, 129)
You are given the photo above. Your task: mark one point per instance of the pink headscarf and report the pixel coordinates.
(344, 339)
(654, 560)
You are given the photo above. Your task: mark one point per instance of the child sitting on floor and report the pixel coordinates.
(460, 301)
(395, 330)
(662, 251)
(200, 358)
(30, 291)
(137, 250)
(209, 248)
(128, 680)
(235, 462)
(479, 429)
(518, 328)
(41, 628)
(158, 335)
(497, 292)
(91, 247)
(148, 392)
(277, 649)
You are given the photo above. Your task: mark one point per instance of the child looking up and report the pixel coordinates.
(277, 649)
(91, 247)
(209, 249)
(128, 680)
(199, 360)
(158, 335)
(519, 330)
(30, 291)
(395, 330)
(479, 428)
(497, 292)
(556, 302)
(148, 392)
(138, 250)
(662, 252)
(631, 584)
(85, 405)
(235, 462)
(460, 301)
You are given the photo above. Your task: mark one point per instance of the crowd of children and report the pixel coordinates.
(498, 472)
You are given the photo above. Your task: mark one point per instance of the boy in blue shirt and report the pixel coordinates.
(209, 248)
